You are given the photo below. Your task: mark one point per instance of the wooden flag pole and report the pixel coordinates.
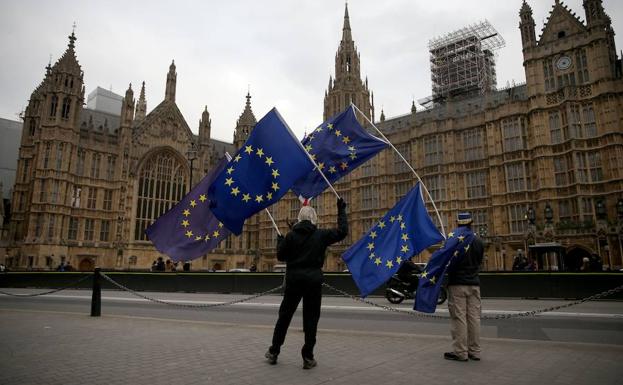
(443, 231)
(273, 221)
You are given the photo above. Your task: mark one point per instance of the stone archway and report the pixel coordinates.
(86, 264)
(574, 257)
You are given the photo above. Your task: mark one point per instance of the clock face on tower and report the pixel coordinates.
(563, 63)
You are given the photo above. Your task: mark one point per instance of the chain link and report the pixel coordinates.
(553, 308)
(384, 307)
(195, 306)
(47, 292)
(486, 317)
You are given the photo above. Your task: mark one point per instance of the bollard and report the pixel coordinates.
(96, 298)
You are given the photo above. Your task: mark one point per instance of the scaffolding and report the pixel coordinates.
(463, 61)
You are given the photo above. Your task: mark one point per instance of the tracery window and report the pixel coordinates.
(161, 184)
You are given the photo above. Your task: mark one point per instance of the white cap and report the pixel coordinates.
(308, 213)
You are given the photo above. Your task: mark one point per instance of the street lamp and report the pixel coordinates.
(531, 215)
(191, 155)
(482, 231)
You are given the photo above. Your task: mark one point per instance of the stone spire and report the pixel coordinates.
(346, 32)
(346, 86)
(413, 108)
(205, 126)
(595, 13)
(526, 26)
(127, 107)
(141, 105)
(169, 93)
(245, 124)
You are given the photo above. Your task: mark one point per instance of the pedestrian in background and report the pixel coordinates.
(464, 299)
(303, 250)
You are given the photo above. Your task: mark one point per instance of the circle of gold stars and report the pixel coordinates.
(331, 168)
(210, 234)
(389, 262)
(245, 196)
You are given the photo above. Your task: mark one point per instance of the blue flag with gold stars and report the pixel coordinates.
(338, 146)
(429, 284)
(189, 230)
(403, 232)
(262, 171)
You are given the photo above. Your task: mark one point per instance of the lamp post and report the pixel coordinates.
(482, 232)
(191, 155)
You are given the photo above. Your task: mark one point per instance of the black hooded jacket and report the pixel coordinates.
(304, 248)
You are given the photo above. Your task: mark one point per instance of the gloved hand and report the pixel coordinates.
(341, 204)
(280, 238)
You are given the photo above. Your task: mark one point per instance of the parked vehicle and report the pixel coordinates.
(404, 283)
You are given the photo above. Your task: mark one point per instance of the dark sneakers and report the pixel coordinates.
(309, 363)
(473, 357)
(453, 356)
(272, 358)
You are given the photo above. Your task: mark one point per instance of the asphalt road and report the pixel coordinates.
(595, 322)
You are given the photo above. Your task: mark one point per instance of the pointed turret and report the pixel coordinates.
(169, 93)
(346, 32)
(127, 107)
(141, 105)
(205, 126)
(245, 124)
(595, 14)
(382, 115)
(63, 88)
(413, 108)
(346, 85)
(526, 26)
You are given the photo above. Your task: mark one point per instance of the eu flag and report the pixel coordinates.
(338, 146)
(404, 231)
(429, 285)
(262, 171)
(189, 229)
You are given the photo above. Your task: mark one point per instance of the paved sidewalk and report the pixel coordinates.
(68, 348)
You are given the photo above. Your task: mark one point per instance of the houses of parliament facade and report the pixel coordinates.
(539, 165)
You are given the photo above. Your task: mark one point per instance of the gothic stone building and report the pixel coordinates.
(539, 164)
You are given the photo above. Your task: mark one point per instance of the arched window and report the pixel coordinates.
(53, 105)
(161, 184)
(65, 109)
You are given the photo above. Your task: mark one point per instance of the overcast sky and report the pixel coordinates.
(283, 50)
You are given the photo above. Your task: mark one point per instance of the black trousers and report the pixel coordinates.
(312, 298)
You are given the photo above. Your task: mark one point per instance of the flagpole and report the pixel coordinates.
(443, 231)
(309, 156)
(273, 221)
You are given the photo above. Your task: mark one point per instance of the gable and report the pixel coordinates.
(560, 24)
(165, 122)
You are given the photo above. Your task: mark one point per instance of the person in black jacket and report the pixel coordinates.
(464, 300)
(303, 250)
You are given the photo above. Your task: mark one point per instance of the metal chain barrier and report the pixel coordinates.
(495, 317)
(553, 308)
(384, 307)
(195, 306)
(529, 313)
(47, 292)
